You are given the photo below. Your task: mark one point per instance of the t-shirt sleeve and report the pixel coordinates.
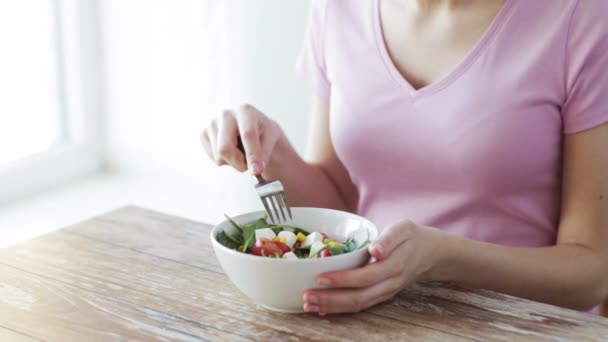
(310, 65)
(586, 104)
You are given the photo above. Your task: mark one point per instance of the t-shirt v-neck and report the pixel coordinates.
(455, 72)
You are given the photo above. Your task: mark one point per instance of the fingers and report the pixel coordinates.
(207, 144)
(209, 141)
(390, 238)
(365, 276)
(258, 134)
(248, 119)
(401, 259)
(226, 141)
(349, 300)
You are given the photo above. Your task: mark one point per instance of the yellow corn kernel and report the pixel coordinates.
(334, 244)
(279, 239)
(326, 240)
(301, 237)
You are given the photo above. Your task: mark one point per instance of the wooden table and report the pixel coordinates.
(139, 274)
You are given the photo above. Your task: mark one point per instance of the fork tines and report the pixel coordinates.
(273, 194)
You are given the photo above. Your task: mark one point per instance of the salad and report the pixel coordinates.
(283, 241)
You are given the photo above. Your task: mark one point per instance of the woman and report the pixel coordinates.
(473, 132)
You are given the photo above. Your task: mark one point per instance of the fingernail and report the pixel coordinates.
(376, 247)
(323, 282)
(255, 168)
(312, 299)
(311, 308)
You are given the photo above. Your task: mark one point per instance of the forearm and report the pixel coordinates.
(565, 275)
(306, 184)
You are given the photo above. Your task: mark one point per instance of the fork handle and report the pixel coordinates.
(239, 145)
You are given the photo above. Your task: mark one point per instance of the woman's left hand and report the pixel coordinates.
(404, 252)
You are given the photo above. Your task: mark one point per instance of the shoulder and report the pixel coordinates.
(588, 29)
(592, 9)
(591, 18)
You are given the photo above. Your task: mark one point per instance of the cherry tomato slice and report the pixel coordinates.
(269, 248)
(257, 247)
(283, 247)
(325, 253)
(273, 248)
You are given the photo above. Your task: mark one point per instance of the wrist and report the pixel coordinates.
(442, 257)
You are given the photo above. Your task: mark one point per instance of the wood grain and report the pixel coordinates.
(59, 311)
(138, 274)
(10, 335)
(180, 290)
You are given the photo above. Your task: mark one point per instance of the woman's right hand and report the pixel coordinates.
(259, 134)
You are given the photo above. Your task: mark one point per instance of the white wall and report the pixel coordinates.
(160, 95)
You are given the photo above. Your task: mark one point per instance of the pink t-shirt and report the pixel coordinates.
(477, 153)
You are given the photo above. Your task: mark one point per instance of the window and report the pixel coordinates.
(31, 111)
(49, 93)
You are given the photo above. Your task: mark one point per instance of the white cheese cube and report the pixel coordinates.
(266, 233)
(290, 256)
(359, 235)
(316, 247)
(312, 238)
(290, 238)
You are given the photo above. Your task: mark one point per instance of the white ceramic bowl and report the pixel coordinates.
(279, 284)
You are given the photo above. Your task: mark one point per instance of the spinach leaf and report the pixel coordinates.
(249, 231)
(236, 225)
(300, 253)
(237, 236)
(259, 223)
(246, 243)
(238, 239)
(223, 238)
(296, 230)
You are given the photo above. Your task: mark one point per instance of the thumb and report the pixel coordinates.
(390, 238)
(248, 119)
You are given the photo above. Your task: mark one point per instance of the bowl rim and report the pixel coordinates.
(214, 241)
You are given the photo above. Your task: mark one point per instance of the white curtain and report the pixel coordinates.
(250, 49)
(227, 73)
(170, 66)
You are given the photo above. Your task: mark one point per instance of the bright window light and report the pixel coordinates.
(31, 119)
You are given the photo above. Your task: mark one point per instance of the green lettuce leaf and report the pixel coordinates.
(223, 238)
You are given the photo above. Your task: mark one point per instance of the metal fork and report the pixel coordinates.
(271, 193)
